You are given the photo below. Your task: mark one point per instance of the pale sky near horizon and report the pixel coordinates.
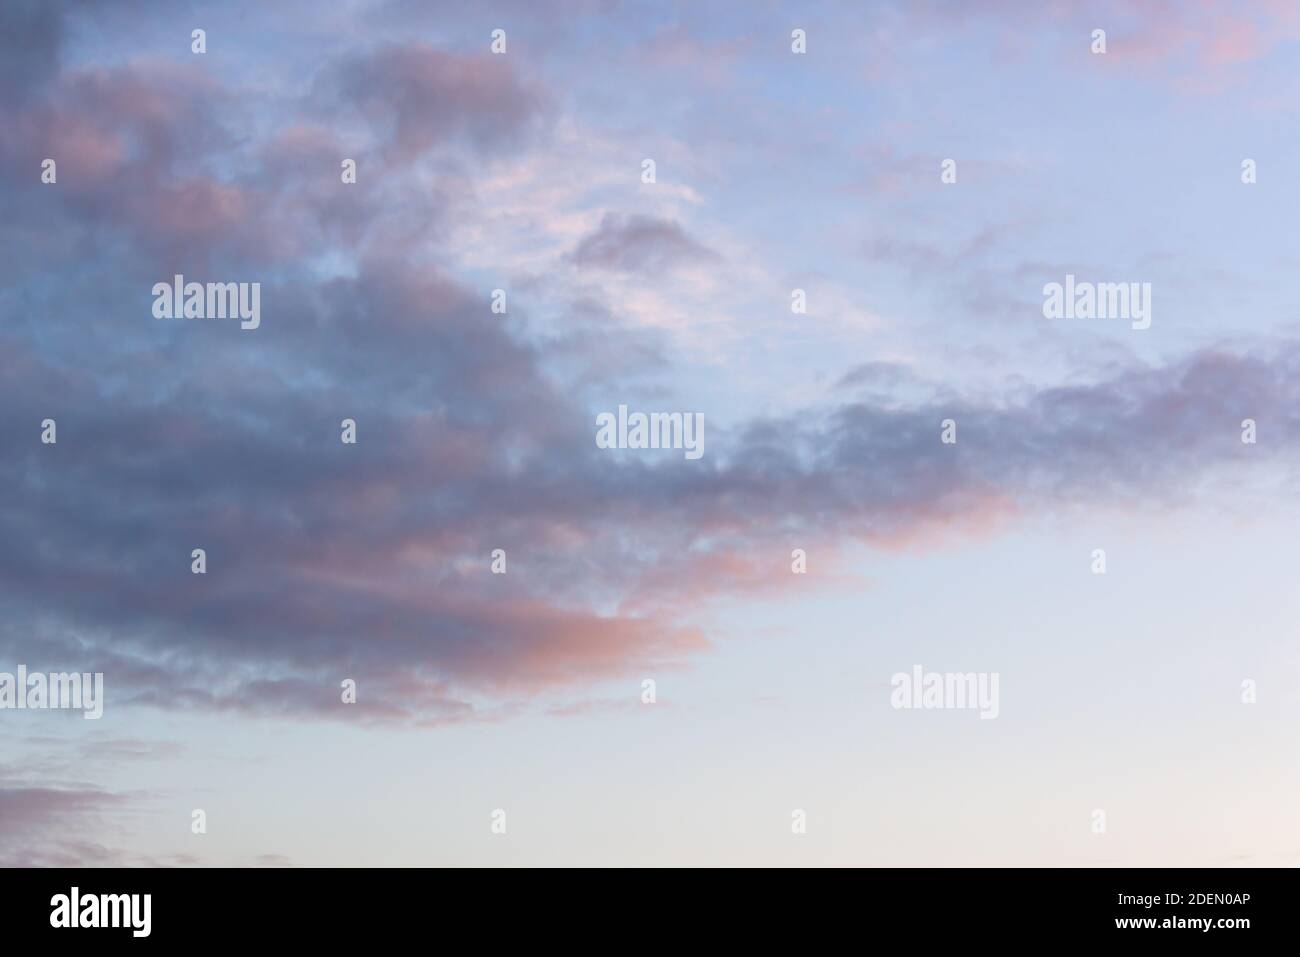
(775, 171)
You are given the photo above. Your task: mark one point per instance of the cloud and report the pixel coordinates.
(129, 143)
(39, 822)
(53, 817)
(31, 34)
(636, 243)
(418, 97)
(371, 561)
(328, 561)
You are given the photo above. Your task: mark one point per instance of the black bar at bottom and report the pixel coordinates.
(644, 908)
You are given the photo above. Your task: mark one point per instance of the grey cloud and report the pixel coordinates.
(31, 34)
(636, 243)
(371, 562)
(419, 97)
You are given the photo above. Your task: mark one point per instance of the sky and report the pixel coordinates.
(1148, 706)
